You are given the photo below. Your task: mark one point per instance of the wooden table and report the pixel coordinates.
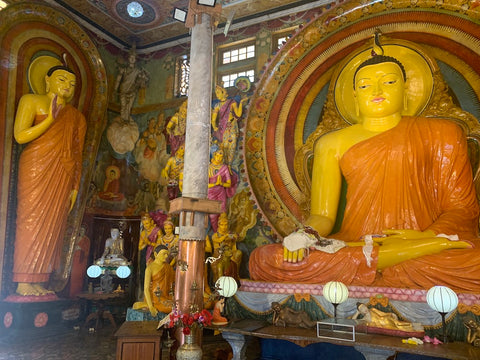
(372, 346)
(99, 300)
(139, 340)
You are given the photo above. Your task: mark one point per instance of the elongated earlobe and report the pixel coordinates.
(357, 109)
(405, 99)
(47, 83)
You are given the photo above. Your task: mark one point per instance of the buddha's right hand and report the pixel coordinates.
(293, 256)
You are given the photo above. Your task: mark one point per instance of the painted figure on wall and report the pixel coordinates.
(49, 172)
(111, 185)
(151, 151)
(128, 83)
(222, 183)
(409, 181)
(79, 262)
(176, 128)
(225, 115)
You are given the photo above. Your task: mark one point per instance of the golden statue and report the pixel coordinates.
(170, 240)
(410, 194)
(172, 171)
(225, 250)
(149, 235)
(49, 172)
(373, 317)
(159, 279)
(222, 182)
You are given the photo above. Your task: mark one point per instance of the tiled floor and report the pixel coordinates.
(101, 345)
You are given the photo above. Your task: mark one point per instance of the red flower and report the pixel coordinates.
(186, 331)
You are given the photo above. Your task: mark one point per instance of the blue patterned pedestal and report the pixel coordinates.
(143, 315)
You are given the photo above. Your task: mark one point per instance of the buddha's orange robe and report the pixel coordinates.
(162, 281)
(49, 169)
(414, 176)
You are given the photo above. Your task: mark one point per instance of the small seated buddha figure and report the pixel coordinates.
(113, 253)
(410, 190)
(111, 186)
(159, 277)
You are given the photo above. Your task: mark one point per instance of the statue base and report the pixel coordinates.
(33, 318)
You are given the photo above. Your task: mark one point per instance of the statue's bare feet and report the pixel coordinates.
(27, 289)
(42, 290)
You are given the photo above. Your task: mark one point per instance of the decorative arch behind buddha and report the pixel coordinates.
(291, 100)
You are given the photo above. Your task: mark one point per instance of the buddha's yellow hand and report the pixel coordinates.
(153, 311)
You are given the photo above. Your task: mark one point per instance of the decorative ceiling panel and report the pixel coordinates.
(152, 26)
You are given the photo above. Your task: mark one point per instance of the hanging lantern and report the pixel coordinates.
(226, 286)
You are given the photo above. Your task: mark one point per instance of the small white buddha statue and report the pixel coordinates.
(113, 253)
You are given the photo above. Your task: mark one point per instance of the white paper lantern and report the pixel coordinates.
(94, 271)
(335, 292)
(442, 299)
(226, 285)
(123, 272)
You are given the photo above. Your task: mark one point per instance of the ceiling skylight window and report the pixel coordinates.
(134, 9)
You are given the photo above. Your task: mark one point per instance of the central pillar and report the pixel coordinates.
(193, 206)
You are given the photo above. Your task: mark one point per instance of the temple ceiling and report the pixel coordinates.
(152, 27)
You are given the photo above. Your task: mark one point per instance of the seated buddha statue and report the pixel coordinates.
(410, 194)
(113, 253)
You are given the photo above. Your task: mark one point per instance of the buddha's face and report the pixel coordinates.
(114, 233)
(379, 90)
(61, 83)
(162, 255)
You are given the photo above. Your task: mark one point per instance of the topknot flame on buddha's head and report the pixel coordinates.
(378, 57)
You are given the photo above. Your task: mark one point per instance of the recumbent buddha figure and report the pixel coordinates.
(410, 193)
